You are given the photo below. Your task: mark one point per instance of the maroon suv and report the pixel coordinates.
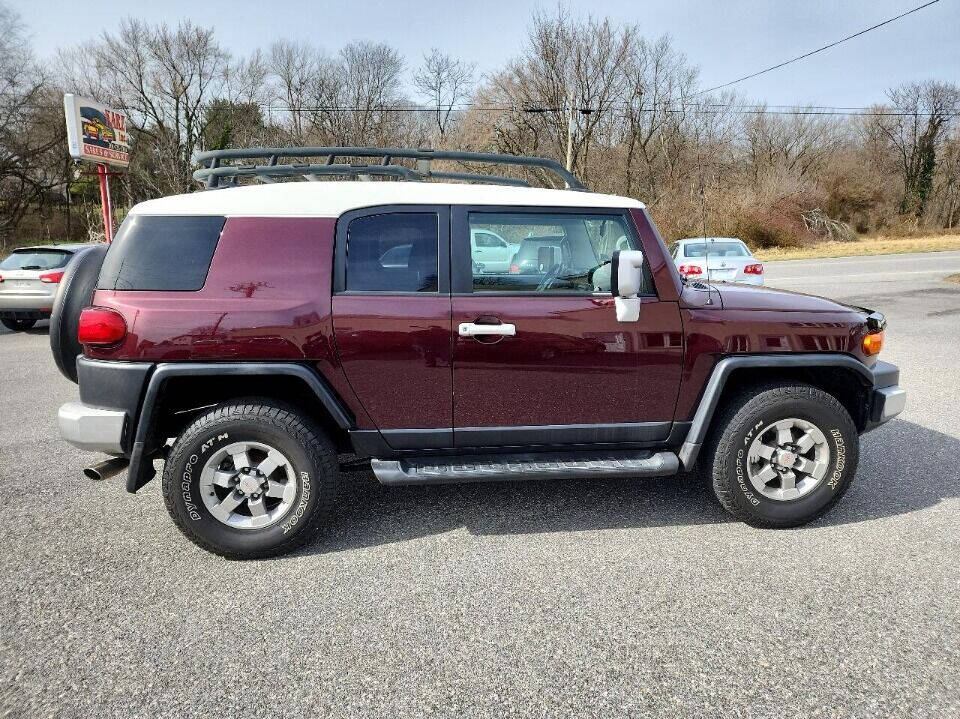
(249, 335)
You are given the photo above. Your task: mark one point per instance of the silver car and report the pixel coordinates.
(28, 283)
(718, 259)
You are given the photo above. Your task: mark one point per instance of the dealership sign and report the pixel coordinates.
(95, 132)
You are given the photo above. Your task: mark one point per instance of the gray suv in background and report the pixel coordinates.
(29, 277)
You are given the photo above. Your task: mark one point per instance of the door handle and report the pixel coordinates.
(471, 329)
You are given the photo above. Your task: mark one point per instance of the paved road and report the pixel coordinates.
(610, 598)
(850, 276)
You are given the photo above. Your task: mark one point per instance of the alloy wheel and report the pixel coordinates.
(788, 459)
(248, 485)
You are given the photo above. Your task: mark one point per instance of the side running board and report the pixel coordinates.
(512, 467)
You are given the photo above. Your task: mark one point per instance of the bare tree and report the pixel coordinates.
(165, 79)
(445, 82)
(300, 70)
(369, 96)
(32, 136)
(659, 82)
(799, 145)
(567, 62)
(915, 128)
(640, 125)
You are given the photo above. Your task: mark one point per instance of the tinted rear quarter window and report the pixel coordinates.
(393, 252)
(168, 253)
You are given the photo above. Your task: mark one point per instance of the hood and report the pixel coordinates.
(750, 297)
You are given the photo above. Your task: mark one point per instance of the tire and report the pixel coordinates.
(18, 325)
(73, 295)
(252, 424)
(748, 427)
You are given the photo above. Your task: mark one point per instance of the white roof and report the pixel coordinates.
(332, 199)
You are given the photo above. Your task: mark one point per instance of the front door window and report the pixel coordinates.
(548, 252)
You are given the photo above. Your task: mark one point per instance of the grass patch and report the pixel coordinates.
(863, 246)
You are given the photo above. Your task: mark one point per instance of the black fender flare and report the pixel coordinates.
(141, 463)
(722, 370)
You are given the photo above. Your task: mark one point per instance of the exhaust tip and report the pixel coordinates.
(106, 468)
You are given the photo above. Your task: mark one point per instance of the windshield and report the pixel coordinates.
(35, 260)
(715, 249)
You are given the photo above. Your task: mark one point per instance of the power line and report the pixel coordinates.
(690, 108)
(819, 49)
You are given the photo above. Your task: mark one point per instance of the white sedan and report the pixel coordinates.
(719, 259)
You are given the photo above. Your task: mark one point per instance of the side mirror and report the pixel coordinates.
(626, 274)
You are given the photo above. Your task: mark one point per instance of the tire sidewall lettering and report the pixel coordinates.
(188, 478)
(840, 462)
(298, 513)
(740, 465)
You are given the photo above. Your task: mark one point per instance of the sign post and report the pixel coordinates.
(97, 133)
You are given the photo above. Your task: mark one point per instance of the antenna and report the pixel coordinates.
(703, 214)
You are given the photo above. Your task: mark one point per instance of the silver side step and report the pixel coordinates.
(512, 467)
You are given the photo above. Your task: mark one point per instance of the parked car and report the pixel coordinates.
(251, 336)
(29, 277)
(719, 259)
(490, 252)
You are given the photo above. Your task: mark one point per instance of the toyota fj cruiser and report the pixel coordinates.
(252, 334)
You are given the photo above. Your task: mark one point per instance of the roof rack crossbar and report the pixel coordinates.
(231, 173)
(212, 172)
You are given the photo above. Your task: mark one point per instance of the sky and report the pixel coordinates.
(726, 39)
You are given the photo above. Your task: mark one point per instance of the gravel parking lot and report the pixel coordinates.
(604, 598)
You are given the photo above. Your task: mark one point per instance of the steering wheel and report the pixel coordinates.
(548, 278)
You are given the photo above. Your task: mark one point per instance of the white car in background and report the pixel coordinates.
(490, 252)
(718, 259)
(29, 278)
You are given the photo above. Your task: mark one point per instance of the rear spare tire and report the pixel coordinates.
(74, 294)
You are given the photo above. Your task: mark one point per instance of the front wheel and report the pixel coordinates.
(250, 479)
(781, 455)
(18, 325)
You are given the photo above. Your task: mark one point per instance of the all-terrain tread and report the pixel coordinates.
(719, 450)
(280, 416)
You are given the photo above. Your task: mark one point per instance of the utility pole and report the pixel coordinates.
(570, 127)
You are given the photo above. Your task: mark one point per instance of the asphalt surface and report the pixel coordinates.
(605, 598)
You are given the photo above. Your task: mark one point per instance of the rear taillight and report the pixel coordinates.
(753, 269)
(514, 269)
(100, 326)
(690, 270)
(1, 278)
(52, 278)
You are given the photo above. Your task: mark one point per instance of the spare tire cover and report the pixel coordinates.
(74, 294)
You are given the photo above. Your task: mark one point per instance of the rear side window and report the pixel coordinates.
(161, 253)
(36, 260)
(393, 252)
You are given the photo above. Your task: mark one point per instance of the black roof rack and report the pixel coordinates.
(213, 174)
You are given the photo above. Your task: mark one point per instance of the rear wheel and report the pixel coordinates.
(781, 455)
(18, 325)
(250, 479)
